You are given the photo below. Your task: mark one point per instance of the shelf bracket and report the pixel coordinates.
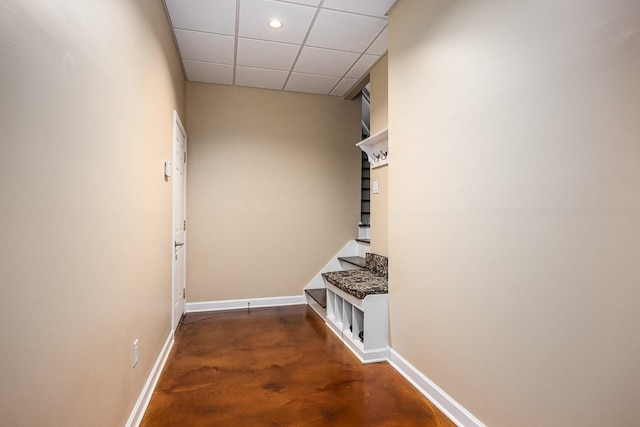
(377, 148)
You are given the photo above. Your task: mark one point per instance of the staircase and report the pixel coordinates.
(351, 257)
(365, 198)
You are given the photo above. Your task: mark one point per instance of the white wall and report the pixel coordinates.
(514, 208)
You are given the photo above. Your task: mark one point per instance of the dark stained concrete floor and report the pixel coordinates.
(278, 367)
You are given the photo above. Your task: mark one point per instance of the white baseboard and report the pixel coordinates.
(452, 409)
(235, 304)
(147, 391)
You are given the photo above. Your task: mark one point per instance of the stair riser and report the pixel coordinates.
(352, 248)
(322, 312)
(348, 266)
(364, 232)
(363, 248)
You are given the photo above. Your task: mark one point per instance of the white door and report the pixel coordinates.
(179, 220)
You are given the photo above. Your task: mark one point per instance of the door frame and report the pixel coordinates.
(177, 127)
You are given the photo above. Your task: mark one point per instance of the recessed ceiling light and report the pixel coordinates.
(275, 24)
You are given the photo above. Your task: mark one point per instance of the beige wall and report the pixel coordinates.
(87, 93)
(379, 120)
(273, 189)
(514, 212)
(379, 79)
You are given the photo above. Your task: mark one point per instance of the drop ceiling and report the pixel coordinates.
(323, 47)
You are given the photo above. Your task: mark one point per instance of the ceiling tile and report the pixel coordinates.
(365, 7)
(259, 77)
(255, 14)
(344, 31)
(342, 87)
(217, 16)
(209, 42)
(324, 61)
(379, 47)
(362, 66)
(263, 54)
(208, 73)
(207, 47)
(307, 2)
(311, 83)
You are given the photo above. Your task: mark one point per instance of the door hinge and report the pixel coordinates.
(185, 224)
(184, 293)
(185, 157)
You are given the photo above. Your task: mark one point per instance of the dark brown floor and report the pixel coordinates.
(278, 367)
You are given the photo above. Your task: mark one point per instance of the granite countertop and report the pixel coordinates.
(358, 283)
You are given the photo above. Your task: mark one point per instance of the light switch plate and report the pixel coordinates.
(167, 168)
(376, 187)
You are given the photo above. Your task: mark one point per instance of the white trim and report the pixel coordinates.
(376, 355)
(177, 127)
(235, 304)
(375, 312)
(452, 409)
(322, 312)
(147, 391)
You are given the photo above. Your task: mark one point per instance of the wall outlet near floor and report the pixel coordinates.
(135, 353)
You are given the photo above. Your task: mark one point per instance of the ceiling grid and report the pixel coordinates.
(324, 46)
